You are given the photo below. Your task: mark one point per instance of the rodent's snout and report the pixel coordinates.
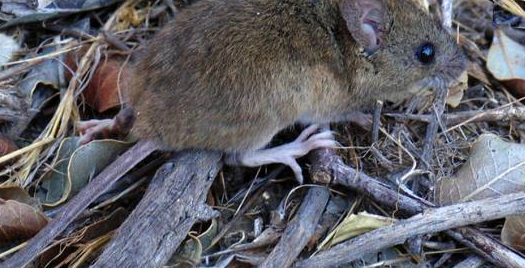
(453, 67)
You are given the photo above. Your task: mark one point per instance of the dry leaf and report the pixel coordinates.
(455, 93)
(506, 61)
(8, 47)
(75, 166)
(356, 224)
(107, 87)
(19, 194)
(19, 221)
(513, 232)
(495, 167)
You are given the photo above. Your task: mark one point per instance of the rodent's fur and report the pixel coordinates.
(229, 74)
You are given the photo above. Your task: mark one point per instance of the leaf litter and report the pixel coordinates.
(75, 68)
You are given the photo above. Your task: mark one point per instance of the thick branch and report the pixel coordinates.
(299, 230)
(174, 201)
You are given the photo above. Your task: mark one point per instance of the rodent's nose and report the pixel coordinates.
(457, 63)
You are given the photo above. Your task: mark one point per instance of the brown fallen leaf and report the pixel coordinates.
(19, 221)
(107, 87)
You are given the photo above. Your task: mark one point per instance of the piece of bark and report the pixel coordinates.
(81, 201)
(431, 221)
(299, 229)
(332, 169)
(174, 201)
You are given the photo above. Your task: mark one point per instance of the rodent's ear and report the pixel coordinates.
(366, 20)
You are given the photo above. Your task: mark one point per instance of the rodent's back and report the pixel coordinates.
(236, 67)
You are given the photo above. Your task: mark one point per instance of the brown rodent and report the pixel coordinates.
(229, 74)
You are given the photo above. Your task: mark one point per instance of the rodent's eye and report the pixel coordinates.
(425, 53)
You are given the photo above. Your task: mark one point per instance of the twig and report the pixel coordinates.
(462, 118)
(431, 221)
(81, 201)
(333, 167)
(377, 121)
(446, 11)
(174, 201)
(299, 230)
(245, 208)
(18, 69)
(70, 31)
(432, 129)
(114, 41)
(493, 250)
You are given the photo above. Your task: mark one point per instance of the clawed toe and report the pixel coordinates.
(287, 154)
(296, 168)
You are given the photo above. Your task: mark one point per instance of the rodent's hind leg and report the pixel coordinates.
(287, 153)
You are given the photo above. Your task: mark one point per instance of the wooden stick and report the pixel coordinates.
(299, 230)
(462, 118)
(446, 11)
(431, 221)
(81, 201)
(174, 201)
(432, 129)
(492, 249)
(332, 169)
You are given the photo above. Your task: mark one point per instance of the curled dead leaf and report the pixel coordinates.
(19, 221)
(75, 166)
(6, 146)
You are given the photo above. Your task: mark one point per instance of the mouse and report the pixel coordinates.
(228, 75)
